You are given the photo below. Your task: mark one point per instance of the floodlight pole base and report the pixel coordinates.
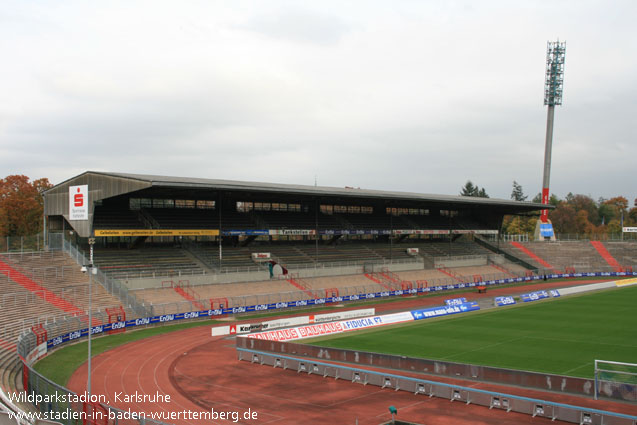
(538, 233)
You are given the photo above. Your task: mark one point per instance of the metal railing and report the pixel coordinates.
(156, 273)
(613, 237)
(226, 270)
(607, 237)
(506, 237)
(146, 308)
(159, 273)
(21, 243)
(440, 260)
(111, 285)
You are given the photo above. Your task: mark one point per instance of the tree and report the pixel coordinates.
(553, 200)
(578, 213)
(614, 227)
(619, 202)
(517, 225)
(582, 224)
(21, 205)
(4, 222)
(482, 193)
(585, 203)
(563, 218)
(470, 190)
(518, 194)
(575, 214)
(632, 217)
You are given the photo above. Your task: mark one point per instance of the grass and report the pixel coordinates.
(562, 336)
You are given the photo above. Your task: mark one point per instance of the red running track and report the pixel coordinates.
(201, 373)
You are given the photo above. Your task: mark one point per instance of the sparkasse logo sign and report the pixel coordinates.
(78, 202)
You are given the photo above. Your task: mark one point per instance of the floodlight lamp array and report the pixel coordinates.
(554, 80)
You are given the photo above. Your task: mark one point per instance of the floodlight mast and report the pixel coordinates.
(553, 87)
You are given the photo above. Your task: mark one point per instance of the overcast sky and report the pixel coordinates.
(398, 95)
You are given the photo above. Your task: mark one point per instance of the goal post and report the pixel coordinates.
(616, 377)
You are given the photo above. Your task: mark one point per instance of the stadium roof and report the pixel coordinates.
(105, 185)
(307, 190)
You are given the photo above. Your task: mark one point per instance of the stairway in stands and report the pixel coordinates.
(450, 273)
(502, 269)
(386, 279)
(294, 280)
(184, 289)
(533, 255)
(601, 249)
(375, 279)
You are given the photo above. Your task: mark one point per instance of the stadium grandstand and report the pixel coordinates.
(170, 225)
(213, 242)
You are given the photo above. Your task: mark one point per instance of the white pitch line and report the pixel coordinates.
(583, 341)
(484, 347)
(575, 368)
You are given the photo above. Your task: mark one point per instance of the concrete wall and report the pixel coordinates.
(469, 261)
(497, 259)
(257, 276)
(202, 279)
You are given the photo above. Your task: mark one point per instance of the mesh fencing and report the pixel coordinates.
(453, 392)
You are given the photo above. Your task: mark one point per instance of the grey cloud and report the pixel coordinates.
(300, 26)
(402, 96)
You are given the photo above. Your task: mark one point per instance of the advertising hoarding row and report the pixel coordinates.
(212, 313)
(271, 232)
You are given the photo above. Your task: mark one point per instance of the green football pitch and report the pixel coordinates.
(562, 336)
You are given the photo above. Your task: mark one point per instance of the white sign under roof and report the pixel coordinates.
(78, 202)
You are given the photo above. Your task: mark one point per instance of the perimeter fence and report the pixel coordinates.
(424, 387)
